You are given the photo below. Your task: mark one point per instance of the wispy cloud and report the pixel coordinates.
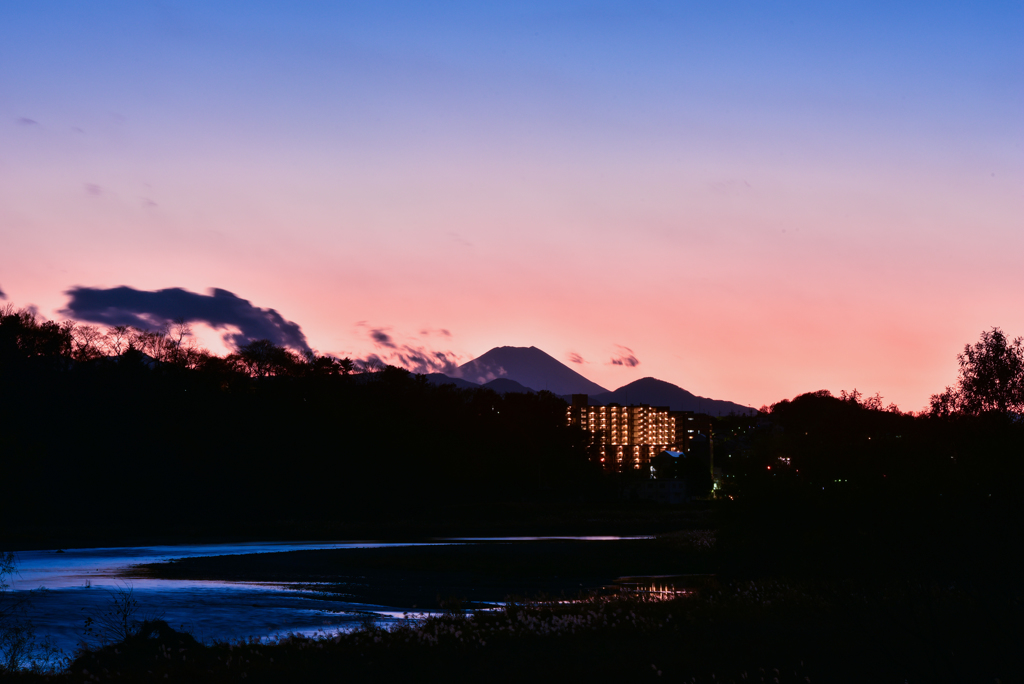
(576, 358)
(154, 309)
(381, 338)
(731, 186)
(624, 357)
(25, 121)
(456, 237)
(412, 356)
(93, 189)
(479, 372)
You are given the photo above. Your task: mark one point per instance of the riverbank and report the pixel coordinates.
(772, 631)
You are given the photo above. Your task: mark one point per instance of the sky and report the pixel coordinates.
(750, 200)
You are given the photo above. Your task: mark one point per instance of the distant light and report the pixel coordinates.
(769, 467)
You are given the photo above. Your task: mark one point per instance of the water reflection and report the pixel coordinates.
(515, 539)
(101, 566)
(209, 612)
(75, 584)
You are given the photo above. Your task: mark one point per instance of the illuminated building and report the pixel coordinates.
(624, 437)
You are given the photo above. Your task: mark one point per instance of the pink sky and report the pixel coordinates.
(836, 208)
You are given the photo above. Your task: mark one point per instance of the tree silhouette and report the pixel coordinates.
(261, 358)
(991, 378)
(86, 341)
(23, 337)
(117, 339)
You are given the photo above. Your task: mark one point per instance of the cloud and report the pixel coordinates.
(575, 358)
(412, 357)
(435, 331)
(382, 338)
(492, 373)
(624, 357)
(149, 310)
(732, 186)
(452, 235)
(93, 189)
(415, 359)
(2, 295)
(25, 121)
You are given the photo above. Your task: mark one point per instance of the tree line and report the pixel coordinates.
(134, 429)
(125, 424)
(23, 336)
(828, 485)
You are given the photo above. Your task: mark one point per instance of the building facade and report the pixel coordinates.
(624, 437)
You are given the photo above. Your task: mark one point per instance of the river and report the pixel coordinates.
(63, 588)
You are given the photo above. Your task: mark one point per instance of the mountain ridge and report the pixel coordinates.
(529, 369)
(657, 392)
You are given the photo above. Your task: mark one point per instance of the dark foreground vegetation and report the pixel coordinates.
(716, 629)
(852, 542)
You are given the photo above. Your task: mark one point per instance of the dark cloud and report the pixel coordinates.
(415, 358)
(2, 295)
(435, 331)
(624, 357)
(149, 310)
(25, 121)
(146, 202)
(420, 360)
(93, 189)
(382, 338)
(575, 358)
(369, 363)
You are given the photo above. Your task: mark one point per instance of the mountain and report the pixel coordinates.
(499, 385)
(527, 369)
(504, 386)
(660, 393)
(528, 366)
(442, 379)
